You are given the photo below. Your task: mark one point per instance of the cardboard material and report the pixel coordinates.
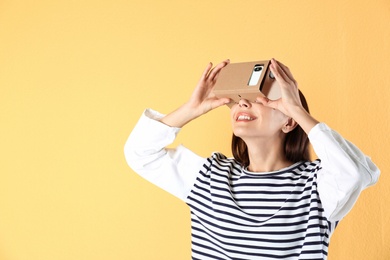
(247, 80)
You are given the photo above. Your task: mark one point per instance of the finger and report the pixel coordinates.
(220, 102)
(278, 72)
(286, 70)
(207, 70)
(267, 102)
(215, 72)
(262, 100)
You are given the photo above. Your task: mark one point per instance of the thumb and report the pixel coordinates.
(267, 102)
(220, 102)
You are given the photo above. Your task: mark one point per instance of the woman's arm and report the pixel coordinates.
(346, 171)
(174, 170)
(290, 102)
(201, 101)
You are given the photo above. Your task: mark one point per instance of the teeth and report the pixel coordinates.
(244, 117)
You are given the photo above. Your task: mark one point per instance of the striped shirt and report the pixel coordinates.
(237, 214)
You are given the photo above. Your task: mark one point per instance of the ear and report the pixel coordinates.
(289, 125)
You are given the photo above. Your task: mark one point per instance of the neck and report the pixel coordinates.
(266, 155)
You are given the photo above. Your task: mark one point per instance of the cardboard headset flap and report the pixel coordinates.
(247, 80)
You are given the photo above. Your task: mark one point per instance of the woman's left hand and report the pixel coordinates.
(290, 99)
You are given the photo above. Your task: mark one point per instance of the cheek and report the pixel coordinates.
(279, 117)
(232, 112)
(271, 121)
(277, 120)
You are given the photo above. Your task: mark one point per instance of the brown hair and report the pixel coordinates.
(296, 143)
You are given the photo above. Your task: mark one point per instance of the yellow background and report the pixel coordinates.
(76, 75)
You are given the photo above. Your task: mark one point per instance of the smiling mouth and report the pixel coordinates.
(244, 118)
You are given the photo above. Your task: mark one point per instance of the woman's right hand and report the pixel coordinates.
(202, 99)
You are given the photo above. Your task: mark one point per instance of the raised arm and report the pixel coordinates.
(201, 101)
(173, 170)
(346, 170)
(290, 102)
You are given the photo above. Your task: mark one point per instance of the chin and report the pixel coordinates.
(243, 133)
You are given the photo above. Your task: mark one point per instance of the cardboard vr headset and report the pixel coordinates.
(247, 80)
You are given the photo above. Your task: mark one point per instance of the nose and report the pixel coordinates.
(244, 103)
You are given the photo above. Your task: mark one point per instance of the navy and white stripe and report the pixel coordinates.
(236, 214)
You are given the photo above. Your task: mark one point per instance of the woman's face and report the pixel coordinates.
(254, 120)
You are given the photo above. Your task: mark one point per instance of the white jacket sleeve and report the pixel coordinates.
(345, 172)
(173, 170)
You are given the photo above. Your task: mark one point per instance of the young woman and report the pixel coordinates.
(269, 201)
